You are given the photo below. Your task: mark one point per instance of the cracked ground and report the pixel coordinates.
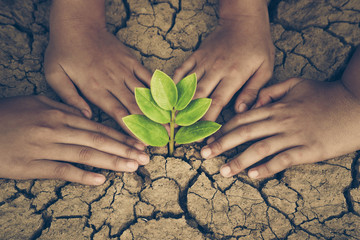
(184, 197)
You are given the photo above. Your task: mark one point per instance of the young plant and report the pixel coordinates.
(166, 103)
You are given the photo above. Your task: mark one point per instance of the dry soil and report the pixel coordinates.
(184, 197)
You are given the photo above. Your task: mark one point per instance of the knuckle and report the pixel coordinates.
(262, 148)
(218, 65)
(130, 153)
(263, 93)
(201, 92)
(285, 160)
(117, 163)
(73, 99)
(85, 154)
(84, 178)
(41, 131)
(120, 112)
(179, 70)
(287, 122)
(233, 71)
(237, 165)
(61, 170)
(129, 140)
(250, 92)
(98, 139)
(278, 106)
(218, 101)
(266, 170)
(102, 128)
(93, 84)
(54, 115)
(216, 147)
(246, 132)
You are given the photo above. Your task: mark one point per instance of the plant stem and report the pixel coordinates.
(172, 130)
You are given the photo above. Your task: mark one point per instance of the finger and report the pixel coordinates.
(207, 84)
(60, 106)
(142, 74)
(255, 153)
(220, 97)
(84, 124)
(90, 157)
(44, 169)
(275, 92)
(109, 104)
(239, 136)
(102, 143)
(184, 69)
(127, 99)
(241, 119)
(250, 91)
(284, 160)
(131, 82)
(65, 88)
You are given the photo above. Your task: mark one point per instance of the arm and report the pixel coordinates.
(83, 55)
(238, 54)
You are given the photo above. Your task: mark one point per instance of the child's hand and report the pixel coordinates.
(40, 137)
(83, 55)
(311, 121)
(239, 53)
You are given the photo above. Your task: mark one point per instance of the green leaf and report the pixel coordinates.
(186, 90)
(193, 112)
(196, 132)
(149, 107)
(146, 130)
(163, 90)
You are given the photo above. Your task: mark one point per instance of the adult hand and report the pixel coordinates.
(238, 54)
(40, 138)
(309, 121)
(82, 55)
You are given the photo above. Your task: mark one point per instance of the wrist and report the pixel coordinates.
(77, 14)
(351, 76)
(235, 9)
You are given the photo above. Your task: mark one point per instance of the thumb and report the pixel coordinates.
(249, 93)
(275, 92)
(65, 88)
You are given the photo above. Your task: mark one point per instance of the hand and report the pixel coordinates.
(310, 121)
(238, 54)
(39, 138)
(94, 61)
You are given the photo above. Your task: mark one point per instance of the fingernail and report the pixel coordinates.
(225, 171)
(139, 146)
(132, 166)
(99, 179)
(242, 107)
(210, 140)
(144, 159)
(253, 173)
(205, 152)
(86, 113)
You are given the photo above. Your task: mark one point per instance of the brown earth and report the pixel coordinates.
(184, 197)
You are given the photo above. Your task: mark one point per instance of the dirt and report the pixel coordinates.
(184, 197)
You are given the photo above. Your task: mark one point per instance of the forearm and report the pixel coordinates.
(77, 14)
(351, 76)
(233, 9)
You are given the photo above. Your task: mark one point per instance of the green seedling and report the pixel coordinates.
(167, 103)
